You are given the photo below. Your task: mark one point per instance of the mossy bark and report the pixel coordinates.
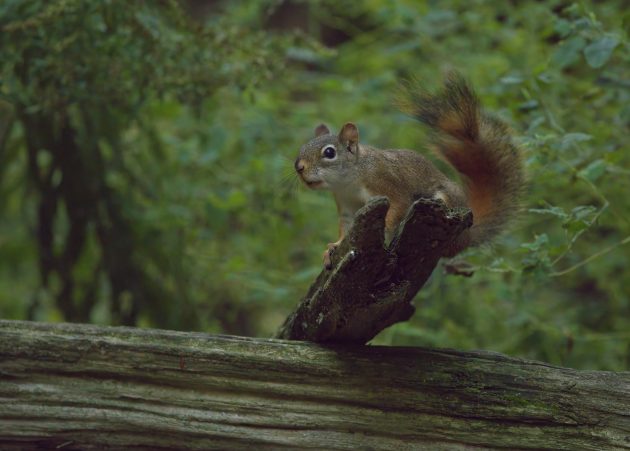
(87, 387)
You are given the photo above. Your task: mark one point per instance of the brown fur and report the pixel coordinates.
(480, 147)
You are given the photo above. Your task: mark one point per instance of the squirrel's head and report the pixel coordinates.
(327, 160)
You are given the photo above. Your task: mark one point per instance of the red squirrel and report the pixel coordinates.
(480, 147)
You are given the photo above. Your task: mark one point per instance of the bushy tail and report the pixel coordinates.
(480, 147)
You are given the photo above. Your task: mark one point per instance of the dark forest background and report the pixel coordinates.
(146, 153)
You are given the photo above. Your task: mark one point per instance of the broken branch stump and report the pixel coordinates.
(372, 284)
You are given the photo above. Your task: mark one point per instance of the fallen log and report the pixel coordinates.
(71, 386)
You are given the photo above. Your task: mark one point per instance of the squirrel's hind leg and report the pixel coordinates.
(330, 250)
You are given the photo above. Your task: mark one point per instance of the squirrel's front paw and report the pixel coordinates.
(328, 255)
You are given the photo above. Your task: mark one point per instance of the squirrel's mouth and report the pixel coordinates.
(314, 184)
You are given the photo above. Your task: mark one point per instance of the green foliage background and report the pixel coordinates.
(146, 156)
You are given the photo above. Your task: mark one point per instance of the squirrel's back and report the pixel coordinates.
(480, 148)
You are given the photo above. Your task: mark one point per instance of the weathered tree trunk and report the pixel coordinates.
(372, 283)
(85, 387)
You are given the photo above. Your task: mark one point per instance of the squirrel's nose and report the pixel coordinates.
(299, 165)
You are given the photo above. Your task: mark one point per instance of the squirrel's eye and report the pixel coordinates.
(329, 152)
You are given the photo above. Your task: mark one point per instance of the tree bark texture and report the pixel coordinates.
(372, 283)
(84, 387)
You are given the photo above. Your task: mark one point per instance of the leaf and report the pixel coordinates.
(570, 139)
(537, 264)
(237, 199)
(512, 80)
(594, 170)
(440, 22)
(546, 77)
(568, 52)
(551, 210)
(598, 53)
(582, 211)
(535, 123)
(563, 27)
(581, 218)
(540, 241)
(528, 105)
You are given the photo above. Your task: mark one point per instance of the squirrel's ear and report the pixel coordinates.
(320, 130)
(349, 136)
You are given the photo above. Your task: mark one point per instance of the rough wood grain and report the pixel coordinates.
(87, 387)
(372, 284)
